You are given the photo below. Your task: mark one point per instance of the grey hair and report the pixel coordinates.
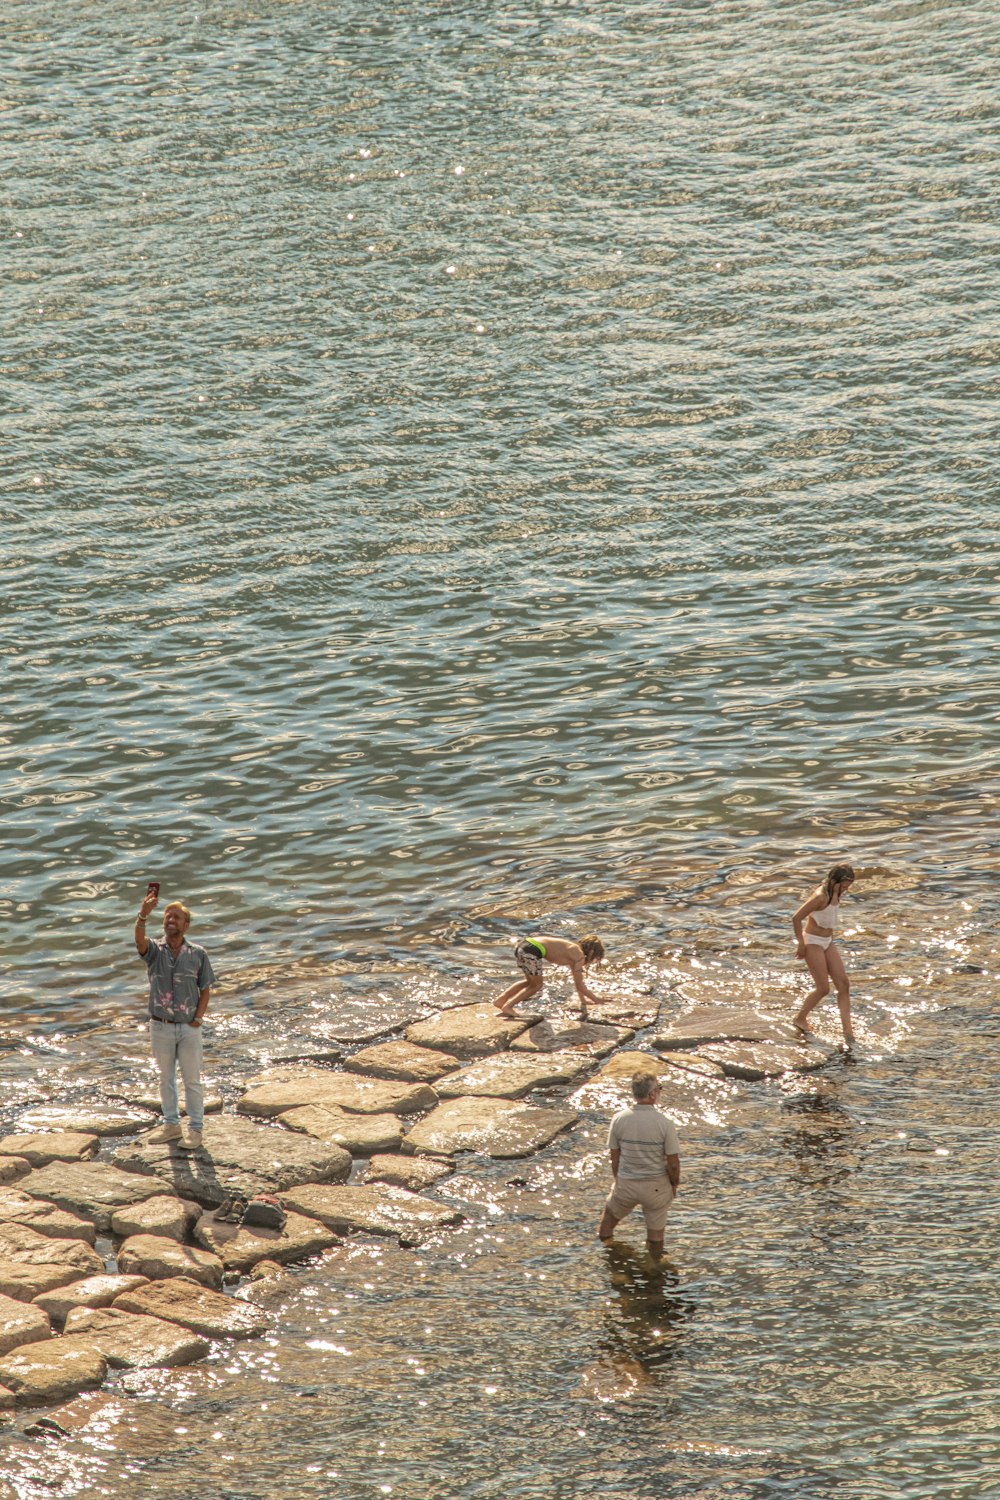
(643, 1084)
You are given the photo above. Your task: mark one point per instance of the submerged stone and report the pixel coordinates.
(277, 1092)
(133, 1342)
(470, 1030)
(91, 1189)
(239, 1247)
(594, 1038)
(377, 1208)
(194, 1306)
(495, 1127)
(156, 1258)
(411, 1172)
(59, 1145)
(32, 1263)
(18, 1207)
(92, 1291)
(509, 1075)
(52, 1370)
(403, 1062)
(236, 1156)
(21, 1323)
(360, 1134)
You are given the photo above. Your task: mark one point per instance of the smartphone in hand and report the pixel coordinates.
(153, 889)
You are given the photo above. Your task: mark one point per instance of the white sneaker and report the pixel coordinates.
(192, 1139)
(164, 1133)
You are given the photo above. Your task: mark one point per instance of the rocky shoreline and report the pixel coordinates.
(111, 1257)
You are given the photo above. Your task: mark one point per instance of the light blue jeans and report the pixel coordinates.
(175, 1046)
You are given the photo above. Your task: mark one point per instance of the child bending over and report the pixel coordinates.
(531, 953)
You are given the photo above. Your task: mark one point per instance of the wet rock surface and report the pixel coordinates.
(59, 1145)
(156, 1258)
(90, 1189)
(470, 1031)
(107, 1121)
(130, 1341)
(239, 1248)
(402, 1062)
(510, 1075)
(376, 1208)
(412, 1172)
(495, 1127)
(18, 1207)
(754, 1061)
(196, 1307)
(92, 1291)
(32, 1263)
(21, 1323)
(172, 1218)
(724, 1023)
(557, 1034)
(277, 1092)
(52, 1370)
(362, 1135)
(237, 1156)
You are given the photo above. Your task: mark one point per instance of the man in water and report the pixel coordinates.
(645, 1163)
(180, 980)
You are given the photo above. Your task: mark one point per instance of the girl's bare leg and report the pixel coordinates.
(816, 961)
(841, 983)
(512, 994)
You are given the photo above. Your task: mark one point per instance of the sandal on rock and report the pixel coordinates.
(230, 1210)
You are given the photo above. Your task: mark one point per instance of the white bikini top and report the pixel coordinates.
(827, 917)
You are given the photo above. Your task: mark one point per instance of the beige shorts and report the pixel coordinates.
(653, 1195)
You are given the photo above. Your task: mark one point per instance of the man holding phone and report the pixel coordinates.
(180, 980)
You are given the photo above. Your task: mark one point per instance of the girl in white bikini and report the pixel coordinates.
(817, 947)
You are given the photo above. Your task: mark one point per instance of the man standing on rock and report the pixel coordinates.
(180, 980)
(645, 1163)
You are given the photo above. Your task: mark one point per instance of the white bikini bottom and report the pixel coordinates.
(817, 941)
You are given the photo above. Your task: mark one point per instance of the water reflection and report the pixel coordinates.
(644, 1329)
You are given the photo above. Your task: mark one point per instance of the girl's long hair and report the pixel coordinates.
(836, 875)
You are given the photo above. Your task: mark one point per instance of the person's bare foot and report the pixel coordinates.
(510, 1014)
(804, 1031)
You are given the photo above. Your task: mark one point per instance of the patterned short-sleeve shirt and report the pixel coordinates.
(175, 982)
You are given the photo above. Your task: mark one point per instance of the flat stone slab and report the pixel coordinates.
(237, 1156)
(274, 1093)
(754, 1061)
(107, 1121)
(91, 1189)
(113, 1422)
(402, 1062)
(12, 1168)
(92, 1291)
(32, 1263)
(156, 1257)
(58, 1145)
(21, 1323)
(510, 1075)
(724, 1023)
(625, 1064)
(173, 1218)
(52, 1370)
(495, 1127)
(375, 1208)
(362, 1135)
(209, 1313)
(18, 1207)
(130, 1342)
(591, 1037)
(470, 1031)
(411, 1172)
(240, 1248)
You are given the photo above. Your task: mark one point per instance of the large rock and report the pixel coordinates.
(32, 1263)
(723, 1023)
(21, 1323)
(496, 1127)
(402, 1062)
(59, 1145)
(411, 1172)
(172, 1218)
(237, 1156)
(209, 1313)
(92, 1291)
(470, 1030)
(510, 1075)
(52, 1370)
(106, 1121)
(377, 1208)
(156, 1258)
(277, 1092)
(239, 1248)
(591, 1037)
(13, 1168)
(130, 1342)
(756, 1060)
(626, 1064)
(18, 1207)
(92, 1189)
(362, 1135)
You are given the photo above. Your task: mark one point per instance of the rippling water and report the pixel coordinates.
(469, 466)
